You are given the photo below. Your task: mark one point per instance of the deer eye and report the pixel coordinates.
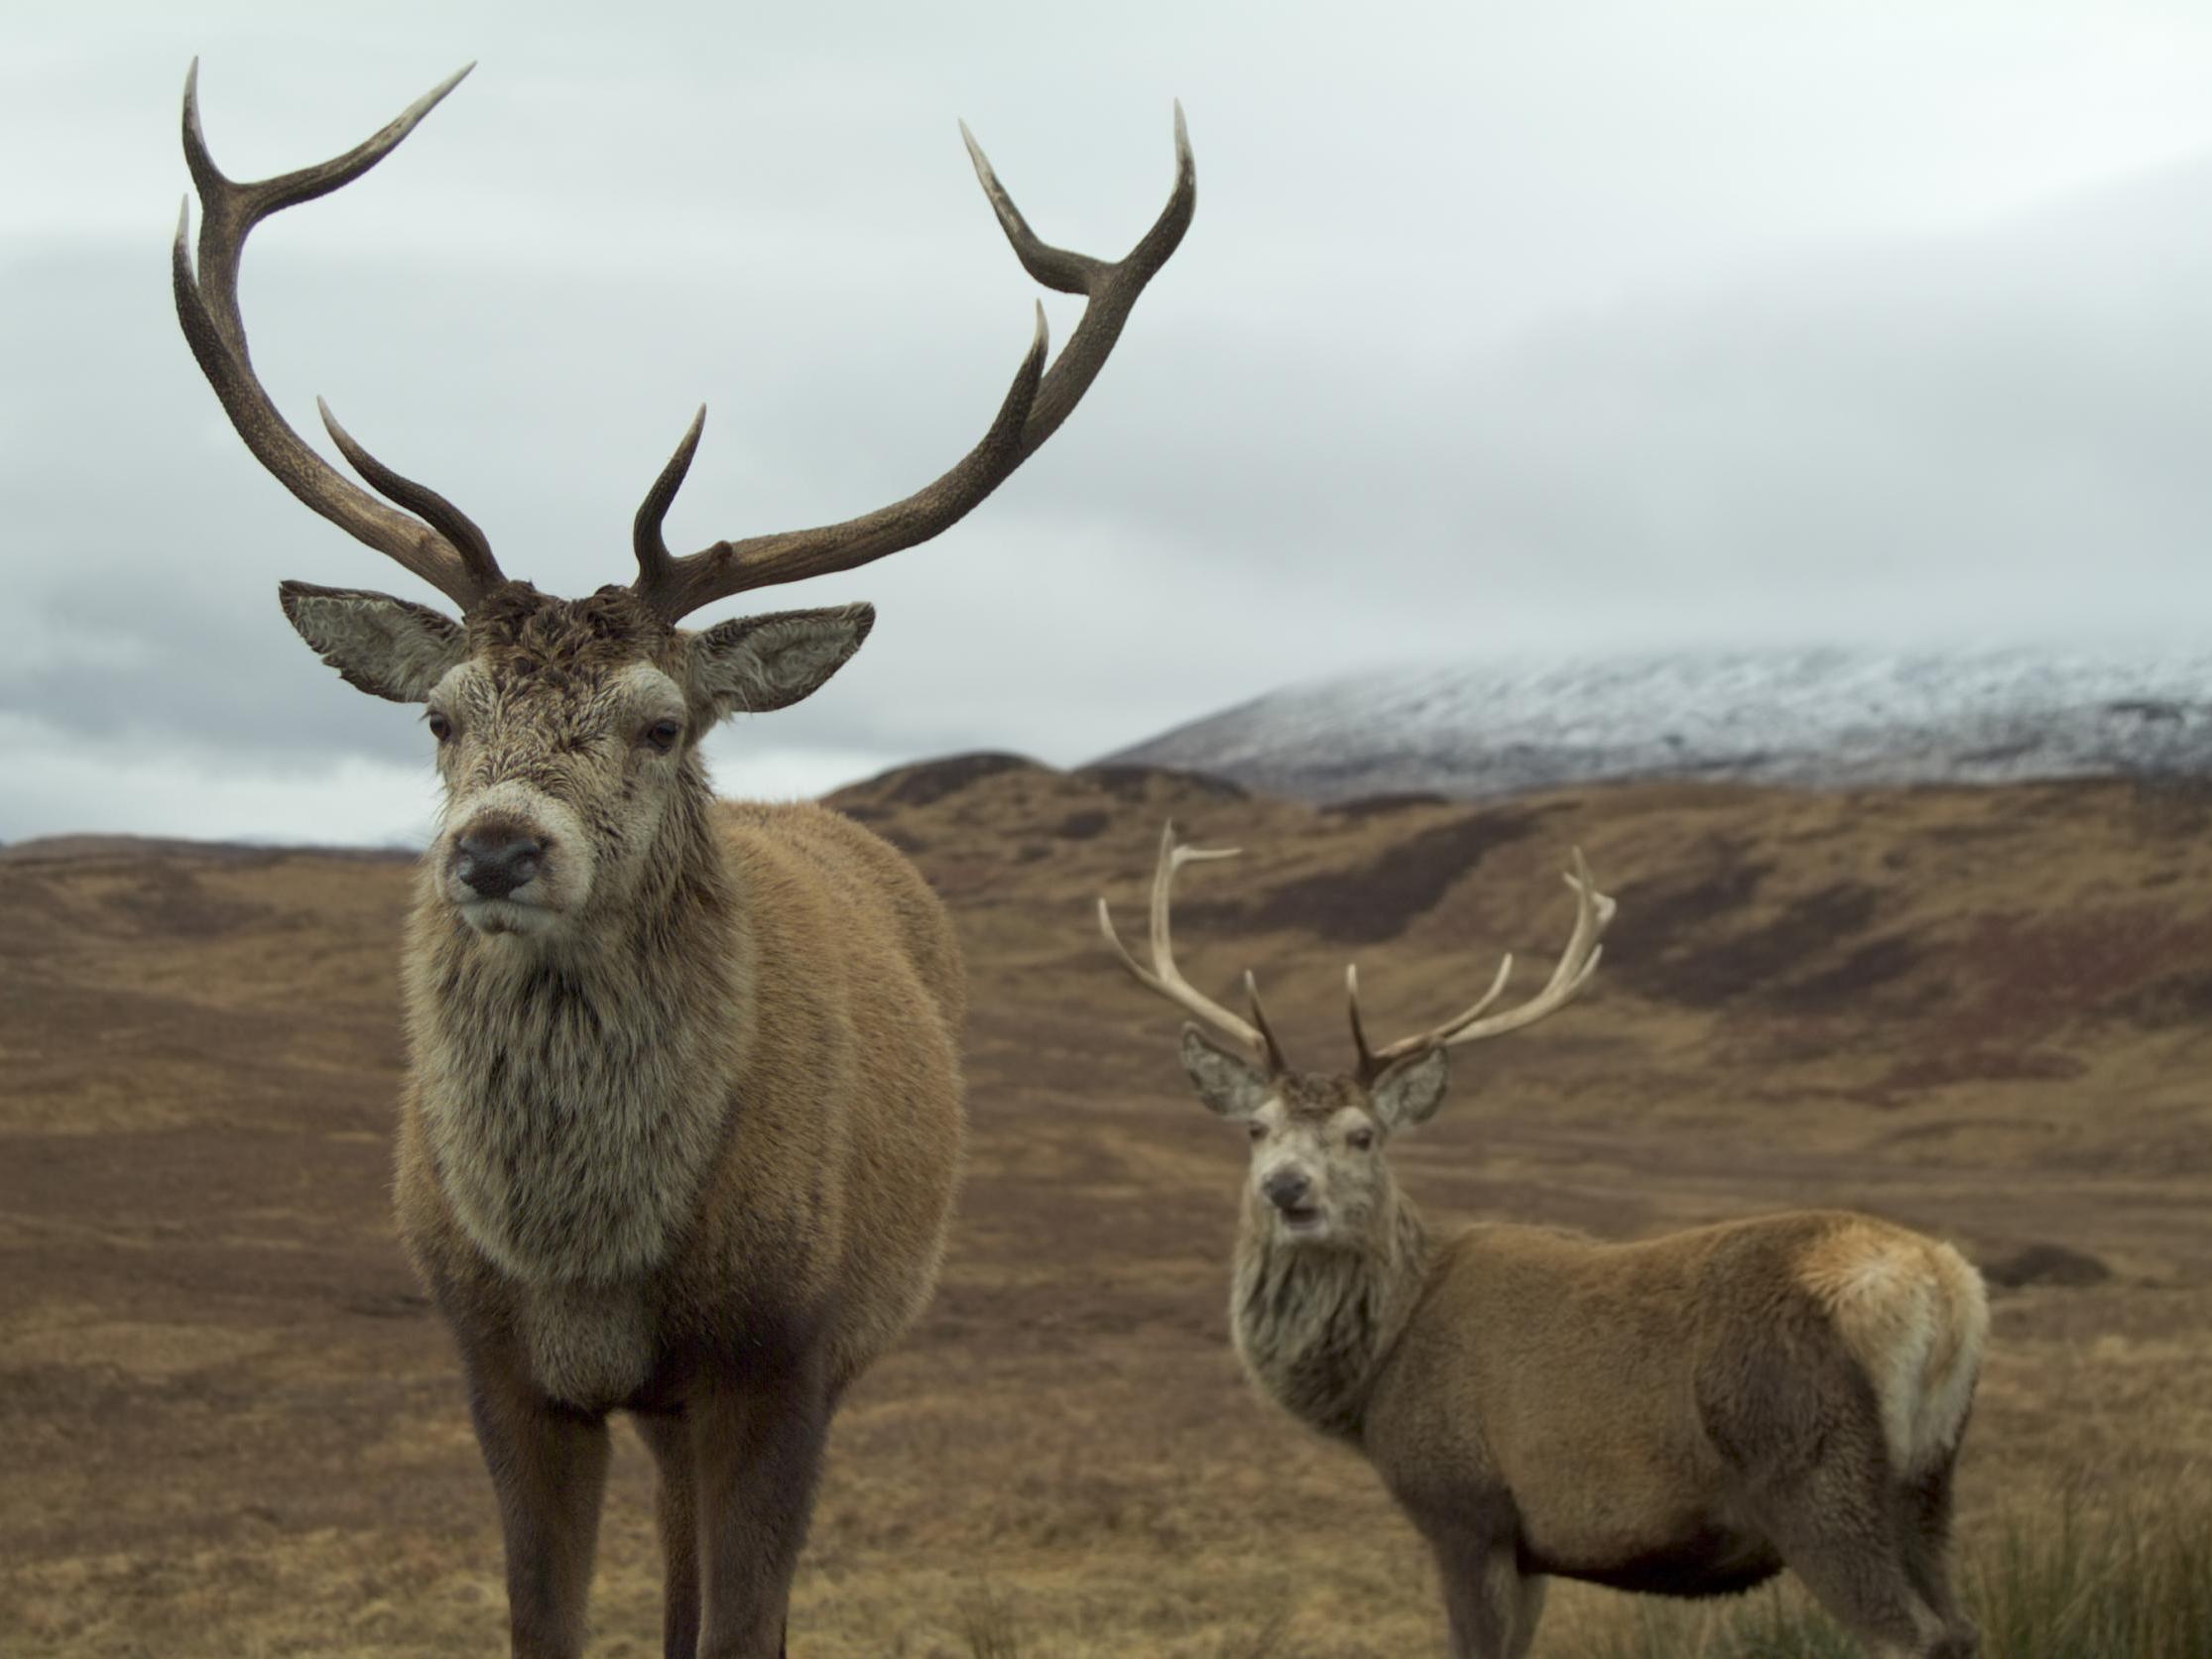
(1259, 1132)
(662, 733)
(1360, 1141)
(440, 727)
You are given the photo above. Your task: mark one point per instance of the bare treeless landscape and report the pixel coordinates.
(230, 1424)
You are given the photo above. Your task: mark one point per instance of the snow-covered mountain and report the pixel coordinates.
(1817, 717)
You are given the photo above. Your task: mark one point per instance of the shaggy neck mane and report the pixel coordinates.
(575, 1087)
(1314, 1322)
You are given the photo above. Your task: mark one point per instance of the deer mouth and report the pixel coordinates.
(1303, 1217)
(494, 916)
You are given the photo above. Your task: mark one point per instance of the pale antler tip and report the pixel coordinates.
(1044, 335)
(983, 169)
(194, 137)
(449, 82)
(1205, 855)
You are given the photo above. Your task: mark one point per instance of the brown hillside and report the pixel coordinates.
(228, 1424)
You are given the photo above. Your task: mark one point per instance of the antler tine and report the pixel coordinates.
(450, 522)
(655, 566)
(1112, 289)
(1276, 1062)
(1382, 1058)
(1033, 409)
(448, 552)
(1594, 913)
(1367, 1068)
(1165, 978)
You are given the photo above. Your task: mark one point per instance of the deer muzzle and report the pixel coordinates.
(516, 859)
(495, 861)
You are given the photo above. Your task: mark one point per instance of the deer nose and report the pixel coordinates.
(1285, 1189)
(495, 864)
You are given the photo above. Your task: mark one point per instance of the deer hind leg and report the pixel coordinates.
(675, 1506)
(758, 1443)
(1838, 1530)
(1804, 1429)
(1923, 1505)
(548, 1465)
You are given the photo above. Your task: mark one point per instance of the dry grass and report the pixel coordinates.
(228, 1424)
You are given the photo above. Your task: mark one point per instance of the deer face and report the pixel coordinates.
(1318, 1174)
(566, 730)
(1317, 1170)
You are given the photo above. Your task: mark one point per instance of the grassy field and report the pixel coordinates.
(229, 1426)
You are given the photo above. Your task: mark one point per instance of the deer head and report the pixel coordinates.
(567, 729)
(1319, 1172)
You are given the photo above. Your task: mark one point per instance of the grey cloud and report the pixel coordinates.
(1558, 331)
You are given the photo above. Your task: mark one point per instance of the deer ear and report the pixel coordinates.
(751, 664)
(1410, 1091)
(1228, 1083)
(391, 647)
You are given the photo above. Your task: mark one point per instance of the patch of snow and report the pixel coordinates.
(1820, 718)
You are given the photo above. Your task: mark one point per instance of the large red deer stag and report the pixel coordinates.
(685, 1116)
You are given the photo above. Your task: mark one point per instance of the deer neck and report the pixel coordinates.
(1314, 1323)
(574, 1091)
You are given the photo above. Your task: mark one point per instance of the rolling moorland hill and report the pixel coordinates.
(230, 1425)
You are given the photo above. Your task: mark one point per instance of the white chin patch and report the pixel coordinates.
(493, 916)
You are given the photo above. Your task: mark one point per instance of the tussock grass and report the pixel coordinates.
(2074, 1578)
(987, 1625)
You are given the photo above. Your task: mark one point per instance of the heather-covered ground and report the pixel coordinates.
(229, 1425)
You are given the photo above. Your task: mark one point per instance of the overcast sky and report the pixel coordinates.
(1523, 328)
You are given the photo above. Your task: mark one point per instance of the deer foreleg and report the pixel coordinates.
(548, 1465)
(758, 1444)
(668, 1436)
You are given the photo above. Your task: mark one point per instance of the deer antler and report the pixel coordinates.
(1035, 406)
(441, 545)
(1594, 913)
(1256, 1039)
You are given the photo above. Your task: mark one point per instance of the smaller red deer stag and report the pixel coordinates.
(1684, 1417)
(684, 1117)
